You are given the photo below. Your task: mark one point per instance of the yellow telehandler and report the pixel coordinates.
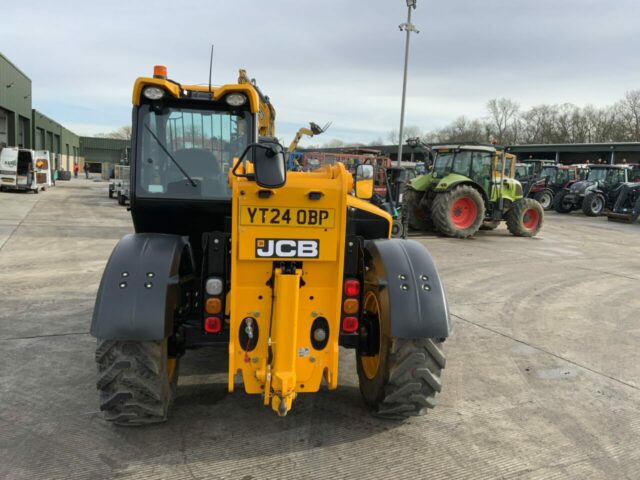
(281, 268)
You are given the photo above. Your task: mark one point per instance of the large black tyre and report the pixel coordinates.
(458, 212)
(408, 380)
(544, 198)
(121, 199)
(560, 205)
(418, 218)
(136, 380)
(404, 378)
(397, 228)
(525, 218)
(110, 192)
(593, 204)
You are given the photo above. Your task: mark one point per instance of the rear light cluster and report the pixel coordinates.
(350, 305)
(213, 305)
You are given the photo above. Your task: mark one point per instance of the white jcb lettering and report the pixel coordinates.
(266, 252)
(285, 248)
(308, 248)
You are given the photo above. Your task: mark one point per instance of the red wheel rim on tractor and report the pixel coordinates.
(530, 219)
(464, 212)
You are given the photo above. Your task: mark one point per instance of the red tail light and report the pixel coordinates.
(349, 324)
(351, 287)
(212, 324)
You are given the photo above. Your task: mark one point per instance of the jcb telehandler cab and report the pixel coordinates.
(281, 268)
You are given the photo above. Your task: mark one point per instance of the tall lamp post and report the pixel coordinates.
(407, 27)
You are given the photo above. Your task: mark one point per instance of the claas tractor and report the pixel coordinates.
(470, 187)
(279, 268)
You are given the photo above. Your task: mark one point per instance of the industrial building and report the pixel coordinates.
(103, 153)
(15, 105)
(572, 153)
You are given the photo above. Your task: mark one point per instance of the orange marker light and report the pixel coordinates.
(213, 305)
(350, 305)
(159, 71)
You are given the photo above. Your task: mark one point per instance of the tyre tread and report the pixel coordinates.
(418, 218)
(132, 383)
(441, 207)
(586, 204)
(558, 203)
(515, 214)
(414, 378)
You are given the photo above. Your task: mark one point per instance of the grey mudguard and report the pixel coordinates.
(410, 287)
(139, 291)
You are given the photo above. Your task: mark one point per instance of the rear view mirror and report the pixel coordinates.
(364, 181)
(269, 169)
(269, 165)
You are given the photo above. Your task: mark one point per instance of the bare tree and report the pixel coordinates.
(567, 123)
(334, 143)
(539, 124)
(547, 123)
(392, 137)
(410, 131)
(629, 110)
(460, 130)
(122, 133)
(502, 113)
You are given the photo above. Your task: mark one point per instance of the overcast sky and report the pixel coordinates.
(327, 60)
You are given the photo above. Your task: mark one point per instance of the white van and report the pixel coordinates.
(18, 170)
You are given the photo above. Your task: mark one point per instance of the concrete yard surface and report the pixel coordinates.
(542, 378)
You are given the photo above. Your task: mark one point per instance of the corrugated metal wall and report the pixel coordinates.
(15, 100)
(103, 150)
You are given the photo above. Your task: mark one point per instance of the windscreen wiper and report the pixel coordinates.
(191, 180)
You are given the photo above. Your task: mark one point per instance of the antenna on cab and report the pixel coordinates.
(210, 67)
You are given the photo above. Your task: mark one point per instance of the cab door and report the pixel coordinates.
(8, 166)
(42, 167)
(481, 170)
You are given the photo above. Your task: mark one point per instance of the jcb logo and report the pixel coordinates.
(286, 248)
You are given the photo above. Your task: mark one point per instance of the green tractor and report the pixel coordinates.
(470, 188)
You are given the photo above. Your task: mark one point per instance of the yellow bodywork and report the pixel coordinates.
(266, 112)
(284, 304)
(259, 103)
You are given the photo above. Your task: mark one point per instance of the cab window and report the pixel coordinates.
(462, 163)
(186, 153)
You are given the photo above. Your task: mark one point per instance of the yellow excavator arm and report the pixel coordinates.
(314, 129)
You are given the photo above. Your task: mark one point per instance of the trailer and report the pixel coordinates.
(119, 184)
